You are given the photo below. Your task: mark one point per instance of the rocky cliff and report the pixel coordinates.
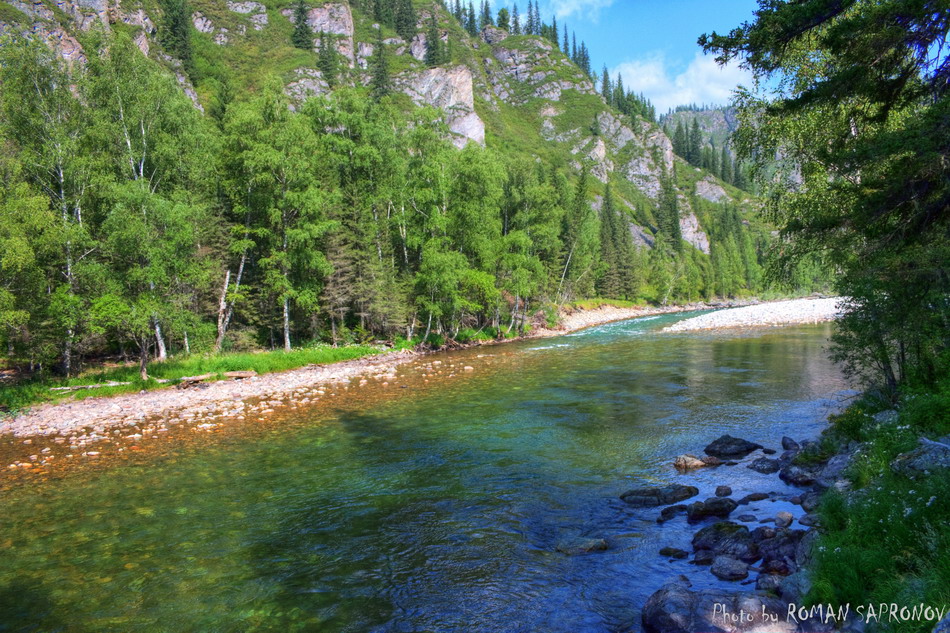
(517, 93)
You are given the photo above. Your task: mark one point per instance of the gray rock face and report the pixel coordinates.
(709, 189)
(449, 89)
(494, 35)
(677, 609)
(928, 457)
(693, 233)
(658, 496)
(307, 83)
(715, 507)
(727, 447)
(729, 568)
(765, 465)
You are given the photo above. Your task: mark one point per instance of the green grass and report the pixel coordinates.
(24, 395)
(888, 541)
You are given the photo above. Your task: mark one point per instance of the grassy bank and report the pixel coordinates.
(887, 541)
(20, 396)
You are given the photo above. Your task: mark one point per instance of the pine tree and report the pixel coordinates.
(515, 21)
(725, 166)
(327, 59)
(574, 57)
(605, 89)
(484, 18)
(435, 50)
(694, 151)
(471, 23)
(668, 216)
(381, 82)
(175, 30)
(554, 37)
(504, 19)
(302, 36)
(565, 47)
(405, 19)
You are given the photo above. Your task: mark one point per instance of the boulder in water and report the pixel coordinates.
(729, 568)
(728, 447)
(720, 507)
(578, 545)
(658, 495)
(765, 465)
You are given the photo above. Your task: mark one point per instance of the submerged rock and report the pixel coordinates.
(727, 447)
(723, 491)
(674, 552)
(788, 444)
(574, 546)
(755, 496)
(783, 519)
(688, 462)
(658, 495)
(769, 582)
(669, 512)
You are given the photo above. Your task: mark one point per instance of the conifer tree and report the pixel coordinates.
(565, 47)
(381, 82)
(175, 30)
(504, 19)
(435, 50)
(302, 36)
(694, 151)
(515, 21)
(605, 88)
(405, 19)
(574, 48)
(725, 166)
(554, 36)
(327, 59)
(471, 23)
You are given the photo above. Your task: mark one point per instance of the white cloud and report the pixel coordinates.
(703, 81)
(586, 8)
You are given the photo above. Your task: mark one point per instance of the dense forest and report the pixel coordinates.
(134, 224)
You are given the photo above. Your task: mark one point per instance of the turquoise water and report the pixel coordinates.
(436, 507)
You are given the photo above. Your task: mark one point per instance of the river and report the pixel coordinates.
(421, 506)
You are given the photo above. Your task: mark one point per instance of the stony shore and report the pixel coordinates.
(86, 421)
(764, 314)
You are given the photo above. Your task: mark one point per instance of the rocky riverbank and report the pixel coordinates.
(742, 540)
(764, 314)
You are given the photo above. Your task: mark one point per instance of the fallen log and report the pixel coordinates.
(96, 386)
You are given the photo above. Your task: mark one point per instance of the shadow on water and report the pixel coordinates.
(28, 608)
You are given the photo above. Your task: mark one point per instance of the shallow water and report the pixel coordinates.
(437, 507)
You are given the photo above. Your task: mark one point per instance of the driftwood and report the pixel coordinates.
(182, 383)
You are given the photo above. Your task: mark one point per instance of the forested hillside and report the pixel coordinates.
(234, 175)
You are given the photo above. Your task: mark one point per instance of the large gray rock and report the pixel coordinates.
(449, 89)
(658, 495)
(798, 475)
(728, 447)
(781, 547)
(677, 609)
(929, 456)
(729, 568)
(833, 473)
(720, 507)
(765, 465)
(788, 444)
(726, 538)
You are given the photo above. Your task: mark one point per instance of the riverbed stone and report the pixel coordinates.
(723, 491)
(769, 582)
(579, 545)
(788, 444)
(832, 475)
(810, 501)
(728, 447)
(783, 546)
(765, 465)
(754, 496)
(675, 608)
(669, 512)
(720, 507)
(673, 552)
(726, 538)
(783, 519)
(769, 451)
(704, 557)
(688, 462)
(729, 568)
(746, 518)
(658, 495)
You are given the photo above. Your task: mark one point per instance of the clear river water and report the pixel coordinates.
(434, 505)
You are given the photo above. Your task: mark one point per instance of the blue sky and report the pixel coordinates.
(653, 44)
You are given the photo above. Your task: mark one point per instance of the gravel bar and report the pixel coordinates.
(775, 313)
